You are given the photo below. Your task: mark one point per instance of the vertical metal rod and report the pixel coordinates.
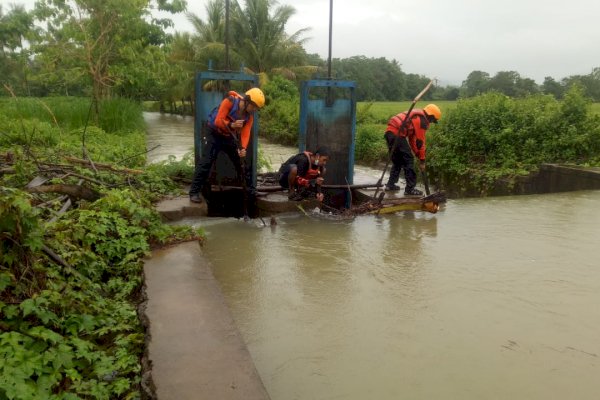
(227, 66)
(329, 96)
(330, 36)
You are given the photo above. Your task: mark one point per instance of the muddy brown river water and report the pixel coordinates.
(493, 298)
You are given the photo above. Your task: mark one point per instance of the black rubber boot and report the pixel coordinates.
(412, 192)
(195, 198)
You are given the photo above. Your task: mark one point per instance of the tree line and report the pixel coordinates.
(119, 48)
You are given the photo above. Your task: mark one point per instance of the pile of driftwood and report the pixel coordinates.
(73, 186)
(380, 205)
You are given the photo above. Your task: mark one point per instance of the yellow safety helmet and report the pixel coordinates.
(434, 111)
(256, 96)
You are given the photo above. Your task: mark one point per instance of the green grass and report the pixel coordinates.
(54, 126)
(384, 110)
(115, 115)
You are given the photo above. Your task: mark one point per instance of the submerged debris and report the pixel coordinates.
(379, 206)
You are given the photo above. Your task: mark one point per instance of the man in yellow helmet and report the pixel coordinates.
(229, 127)
(405, 141)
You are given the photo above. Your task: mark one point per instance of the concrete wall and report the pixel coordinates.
(550, 178)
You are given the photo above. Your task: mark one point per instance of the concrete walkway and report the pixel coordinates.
(195, 349)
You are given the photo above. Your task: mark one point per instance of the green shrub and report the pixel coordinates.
(364, 114)
(71, 329)
(492, 135)
(279, 119)
(370, 146)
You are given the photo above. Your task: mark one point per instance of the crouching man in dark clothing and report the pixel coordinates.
(302, 174)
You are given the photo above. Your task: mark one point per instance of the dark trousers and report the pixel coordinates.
(402, 158)
(284, 174)
(215, 142)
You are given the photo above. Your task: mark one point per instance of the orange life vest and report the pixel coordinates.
(415, 130)
(312, 173)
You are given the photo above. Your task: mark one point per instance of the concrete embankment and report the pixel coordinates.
(549, 178)
(195, 349)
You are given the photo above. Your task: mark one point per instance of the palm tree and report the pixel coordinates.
(260, 37)
(179, 73)
(213, 30)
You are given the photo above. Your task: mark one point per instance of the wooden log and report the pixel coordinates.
(393, 208)
(75, 191)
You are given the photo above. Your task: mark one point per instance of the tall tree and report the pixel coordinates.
(16, 27)
(477, 82)
(257, 39)
(525, 87)
(213, 29)
(550, 86)
(591, 83)
(209, 37)
(378, 79)
(260, 38)
(102, 40)
(505, 82)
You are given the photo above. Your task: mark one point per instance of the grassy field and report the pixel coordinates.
(383, 110)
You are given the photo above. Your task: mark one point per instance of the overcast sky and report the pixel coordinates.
(448, 39)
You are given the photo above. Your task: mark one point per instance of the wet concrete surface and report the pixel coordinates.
(177, 208)
(195, 348)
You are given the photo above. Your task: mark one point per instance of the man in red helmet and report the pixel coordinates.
(403, 143)
(229, 128)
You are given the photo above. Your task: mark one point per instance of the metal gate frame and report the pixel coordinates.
(330, 103)
(207, 100)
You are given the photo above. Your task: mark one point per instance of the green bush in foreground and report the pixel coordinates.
(71, 331)
(70, 289)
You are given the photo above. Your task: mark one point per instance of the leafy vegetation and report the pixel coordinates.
(121, 48)
(493, 136)
(280, 118)
(369, 146)
(71, 113)
(70, 283)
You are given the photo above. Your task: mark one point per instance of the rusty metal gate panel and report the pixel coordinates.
(328, 118)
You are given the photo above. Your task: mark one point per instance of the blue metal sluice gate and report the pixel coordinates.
(206, 101)
(328, 118)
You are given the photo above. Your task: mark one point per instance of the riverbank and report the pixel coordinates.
(549, 178)
(195, 348)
